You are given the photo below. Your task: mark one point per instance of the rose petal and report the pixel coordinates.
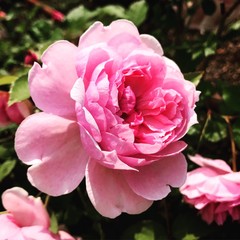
(50, 85)
(9, 230)
(110, 193)
(152, 43)
(218, 165)
(152, 181)
(39, 233)
(98, 33)
(52, 144)
(172, 149)
(109, 159)
(65, 236)
(26, 210)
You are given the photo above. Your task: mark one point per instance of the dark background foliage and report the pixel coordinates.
(210, 57)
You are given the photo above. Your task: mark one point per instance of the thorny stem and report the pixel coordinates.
(209, 114)
(233, 146)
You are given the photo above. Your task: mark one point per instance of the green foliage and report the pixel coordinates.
(194, 77)
(7, 79)
(53, 223)
(190, 237)
(137, 12)
(19, 90)
(6, 168)
(230, 95)
(145, 230)
(81, 17)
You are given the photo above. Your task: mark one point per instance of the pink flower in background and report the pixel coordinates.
(26, 218)
(2, 15)
(30, 58)
(14, 113)
(58, 16)
(114, 111)
(214, 189)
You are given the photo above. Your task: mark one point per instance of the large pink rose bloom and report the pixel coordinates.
(26, 218)
(114, 109)
(213, 189)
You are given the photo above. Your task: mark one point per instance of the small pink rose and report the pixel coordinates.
(213, 189)
(114, 111)
(26, 218)
(14, 113)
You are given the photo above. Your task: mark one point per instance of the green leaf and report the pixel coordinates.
(79, 13)
(145, 234)
(7, 79)
(53, 223)
(137, 12)
(116, 11)
(230, 95)
(6, 168)
(216, 130)
(194, 77)
(19, 90)
(145, 230)
(235, 25)
(190, 237)
(209, 51)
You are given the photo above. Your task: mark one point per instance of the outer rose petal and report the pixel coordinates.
(8, 229)
(25, 209)
(152, 43)
(109, 192)
(52, 144)
(153, 180)
(37, 233)
(217, 165)
(65, 236)
(50, 85)
(98, 33)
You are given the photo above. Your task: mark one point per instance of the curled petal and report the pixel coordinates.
(152, 43)
(153, 181)
(50, 85)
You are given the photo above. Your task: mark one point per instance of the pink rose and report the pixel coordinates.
(26, 218)
(213, 189)
(114, 109)
(14, 113)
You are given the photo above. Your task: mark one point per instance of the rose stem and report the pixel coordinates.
(46, 201)
(233, 146)
(209, 114)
